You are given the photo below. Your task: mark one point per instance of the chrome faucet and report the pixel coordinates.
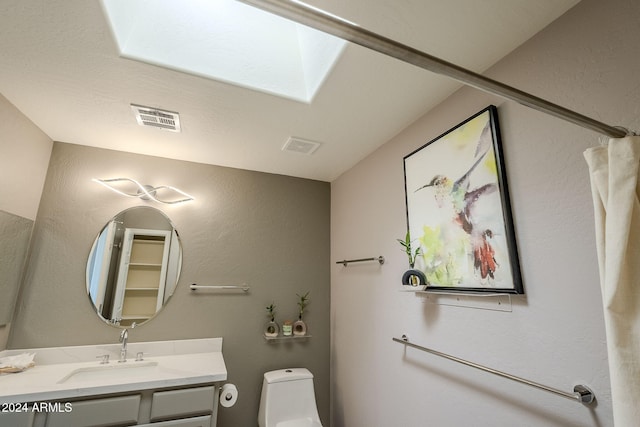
(124, 336)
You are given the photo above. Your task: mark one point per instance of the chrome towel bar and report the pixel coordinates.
(244, 287)
(580, 393)
(345, 262)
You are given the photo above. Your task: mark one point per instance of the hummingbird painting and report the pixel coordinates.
(462, 200)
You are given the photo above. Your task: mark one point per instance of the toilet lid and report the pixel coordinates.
(301, 422)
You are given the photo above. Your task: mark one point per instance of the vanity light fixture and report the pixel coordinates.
(145, 192)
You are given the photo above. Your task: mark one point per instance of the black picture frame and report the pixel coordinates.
(458, 210)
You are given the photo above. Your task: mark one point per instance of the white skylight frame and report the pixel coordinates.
(226, 41)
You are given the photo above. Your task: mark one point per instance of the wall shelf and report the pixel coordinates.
(287, 338)
(483, 301)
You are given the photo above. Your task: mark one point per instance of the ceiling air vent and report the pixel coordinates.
(160, 119)
(300, 146)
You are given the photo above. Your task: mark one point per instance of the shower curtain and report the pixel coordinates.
(614, 183)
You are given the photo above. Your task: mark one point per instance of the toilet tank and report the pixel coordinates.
(287, 394)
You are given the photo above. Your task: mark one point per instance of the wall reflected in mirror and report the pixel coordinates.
(15, 233)
(134, 266)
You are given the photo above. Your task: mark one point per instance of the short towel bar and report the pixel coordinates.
(580, 393)
(243, 287)
(345, 262)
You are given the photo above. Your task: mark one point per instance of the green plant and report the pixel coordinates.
(271, 309)
(412, 254)
(302, 303)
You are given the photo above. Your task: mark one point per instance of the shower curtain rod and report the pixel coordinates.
(320, 20)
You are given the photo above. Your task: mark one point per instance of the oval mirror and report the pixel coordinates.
(134, 266)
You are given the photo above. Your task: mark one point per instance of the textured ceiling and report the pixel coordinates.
(60, 66)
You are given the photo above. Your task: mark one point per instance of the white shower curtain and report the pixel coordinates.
(614, 182)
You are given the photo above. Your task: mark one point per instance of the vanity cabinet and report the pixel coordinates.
(188, 422)
(180, 407)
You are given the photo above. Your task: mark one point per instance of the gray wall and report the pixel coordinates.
(15, 232)
(269, 231)
(587, 60)
(24, 148)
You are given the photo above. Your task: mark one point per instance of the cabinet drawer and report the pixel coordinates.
(16, 419)
(180, 403)
(112, 411)
(187, 422)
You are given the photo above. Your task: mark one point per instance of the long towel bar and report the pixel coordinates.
(345, 262)
(310, 16)
(580, 393)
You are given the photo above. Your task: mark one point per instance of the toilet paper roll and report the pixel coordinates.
(228, 395)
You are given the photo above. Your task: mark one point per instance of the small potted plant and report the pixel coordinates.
(272, 329)
(412, 278)
(299, 327)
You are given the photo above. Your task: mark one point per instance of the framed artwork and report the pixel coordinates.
(458, 210)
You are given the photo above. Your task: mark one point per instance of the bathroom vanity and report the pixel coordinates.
(165, 383)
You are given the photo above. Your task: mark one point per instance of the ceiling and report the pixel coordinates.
(60, 66)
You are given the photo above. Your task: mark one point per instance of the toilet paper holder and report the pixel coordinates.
(228, 395)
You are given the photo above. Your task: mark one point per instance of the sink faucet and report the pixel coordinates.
(124, 336)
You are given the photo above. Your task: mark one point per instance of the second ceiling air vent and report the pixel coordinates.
(160, 119)
(301, 146)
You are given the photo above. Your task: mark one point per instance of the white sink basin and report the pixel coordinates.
(111, 370)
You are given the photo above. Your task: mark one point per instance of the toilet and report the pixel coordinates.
(288, 399)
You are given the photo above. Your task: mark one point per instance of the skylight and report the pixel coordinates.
(227, 41)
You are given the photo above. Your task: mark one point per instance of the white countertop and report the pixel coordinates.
(166, 364)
